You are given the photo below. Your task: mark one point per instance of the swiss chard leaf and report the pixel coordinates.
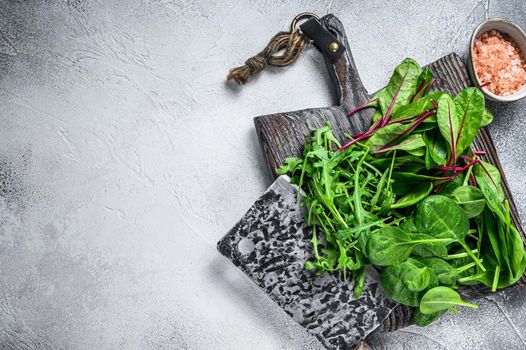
(486, 118)
(448, 122)
(436, 146)
(469, 105)
(401, 86)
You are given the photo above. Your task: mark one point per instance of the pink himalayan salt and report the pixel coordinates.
(499, 62)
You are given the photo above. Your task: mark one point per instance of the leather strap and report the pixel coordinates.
(327, 43)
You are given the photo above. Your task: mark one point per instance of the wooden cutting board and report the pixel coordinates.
(282, 135)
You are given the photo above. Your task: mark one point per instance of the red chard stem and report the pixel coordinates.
(365, 105)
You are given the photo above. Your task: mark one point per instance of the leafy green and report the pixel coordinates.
(448, 122)
(440, 299)
(441, 217)
(423, 320)
(469, 105)
(392, 278)
(471, 199)
(420, 192)
(391, 245)
(410, 197)
(403, 84)
(436, 146)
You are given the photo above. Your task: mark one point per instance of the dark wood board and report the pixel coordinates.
(282, 135)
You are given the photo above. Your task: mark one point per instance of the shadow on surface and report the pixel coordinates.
(234, 283)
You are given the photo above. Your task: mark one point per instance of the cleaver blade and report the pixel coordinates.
(270, 244)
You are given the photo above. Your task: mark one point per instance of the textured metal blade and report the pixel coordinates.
(271, 243)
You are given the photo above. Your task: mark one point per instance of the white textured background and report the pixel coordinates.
(124, 157)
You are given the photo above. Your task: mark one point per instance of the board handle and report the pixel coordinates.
(349, 87)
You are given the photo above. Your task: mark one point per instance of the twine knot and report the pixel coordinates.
(292, 43)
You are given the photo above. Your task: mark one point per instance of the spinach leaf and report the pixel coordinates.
(440, 299)
(391, 245)
(441, 217)
(490, 175)
(417, 275)
(392, 282)
(415, 196)
(428, 250)
(447, 274)
(471, 199)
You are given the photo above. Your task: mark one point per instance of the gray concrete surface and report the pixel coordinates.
(124, 157)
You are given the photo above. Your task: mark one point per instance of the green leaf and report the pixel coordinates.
(441, 217)
(412, 142)
(417, 277)
(291, 164)
(418, 107)
(440, 299)
(386, 136)
(430, 249)
(471, 199)
(450, 186)
(388, 246)
(391, 278)
(419, 152)
(359, 283)
(422, 320)
(391, 245)
(486, 118)
(403, 82)
(447, 274)
(424, 79)
(490, 175)
(448, 121)
(415, 196)
(469, 105)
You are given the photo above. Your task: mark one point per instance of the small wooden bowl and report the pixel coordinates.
(516, 34)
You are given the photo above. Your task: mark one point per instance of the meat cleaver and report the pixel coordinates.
(270, 244)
